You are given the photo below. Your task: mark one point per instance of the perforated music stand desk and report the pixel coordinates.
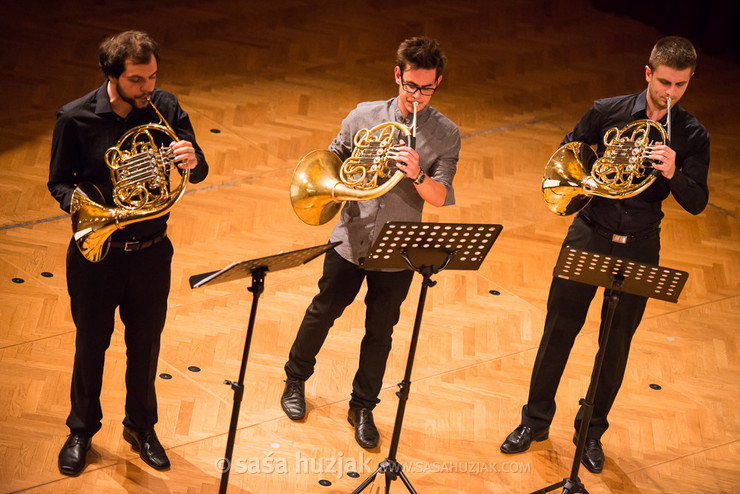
(639, 278)
(257, 269)
(429, 244)
(616, 275)
(426, 248)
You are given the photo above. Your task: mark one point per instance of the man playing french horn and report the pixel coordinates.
(128, 267)
(627, 227)
(429, 169)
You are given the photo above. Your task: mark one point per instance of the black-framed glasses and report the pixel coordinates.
(411, 88)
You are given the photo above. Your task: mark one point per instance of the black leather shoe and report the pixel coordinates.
(148, 446)
(366, 434)
(73, 456)
(293, 400)
(519, 440)
(593, 455)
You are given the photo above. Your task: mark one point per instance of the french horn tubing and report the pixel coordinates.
(574, 175)
(321, 182)
(140, 172)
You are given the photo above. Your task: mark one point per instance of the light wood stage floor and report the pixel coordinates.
(276, 78)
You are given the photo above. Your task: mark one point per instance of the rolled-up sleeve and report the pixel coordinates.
(443, 169)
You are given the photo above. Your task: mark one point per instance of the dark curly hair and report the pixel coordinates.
(134, 45)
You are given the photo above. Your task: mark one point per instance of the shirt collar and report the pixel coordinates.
(102, 100)
(639, 109)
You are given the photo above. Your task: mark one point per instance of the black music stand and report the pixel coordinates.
(617, 275)
(426, 248)
(257, 269)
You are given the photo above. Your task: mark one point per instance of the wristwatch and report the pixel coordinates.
(420, 177)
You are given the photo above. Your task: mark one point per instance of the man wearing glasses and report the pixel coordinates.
(429, 167)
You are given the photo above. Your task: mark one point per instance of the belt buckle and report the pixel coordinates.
(130, 246)
(620, 239)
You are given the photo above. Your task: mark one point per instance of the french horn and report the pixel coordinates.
(321, 182)
(142, 190)
(574, 175)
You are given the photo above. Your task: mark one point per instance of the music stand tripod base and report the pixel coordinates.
(426, 248)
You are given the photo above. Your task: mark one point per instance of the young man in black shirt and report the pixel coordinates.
(626, 228)
(134, 275)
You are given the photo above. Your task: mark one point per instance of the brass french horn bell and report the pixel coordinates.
(321, 182)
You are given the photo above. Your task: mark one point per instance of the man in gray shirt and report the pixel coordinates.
(429, 167)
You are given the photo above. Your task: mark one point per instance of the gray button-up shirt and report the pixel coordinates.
(438, 146)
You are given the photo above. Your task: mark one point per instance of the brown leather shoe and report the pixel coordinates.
(73, 455)
(366, 434)
(148, 446)
(521, 438)
(293, 400)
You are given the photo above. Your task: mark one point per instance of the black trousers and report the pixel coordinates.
(567, 307)
(138, 284)
(338, 287)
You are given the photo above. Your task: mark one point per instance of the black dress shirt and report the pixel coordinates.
(643, 212)
(87, 127)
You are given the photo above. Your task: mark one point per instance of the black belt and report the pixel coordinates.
(621, 238)
(139, 244)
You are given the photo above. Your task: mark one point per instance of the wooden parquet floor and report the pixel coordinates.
(275, 79)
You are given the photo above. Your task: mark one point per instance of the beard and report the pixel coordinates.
(135, 102)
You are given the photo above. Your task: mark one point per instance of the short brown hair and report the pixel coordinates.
(421, 53)
(675, 52)
(116, 49)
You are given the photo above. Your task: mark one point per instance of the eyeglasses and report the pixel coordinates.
(411, 88)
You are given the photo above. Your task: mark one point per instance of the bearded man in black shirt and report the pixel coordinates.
(628, 228)
(134, 276)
